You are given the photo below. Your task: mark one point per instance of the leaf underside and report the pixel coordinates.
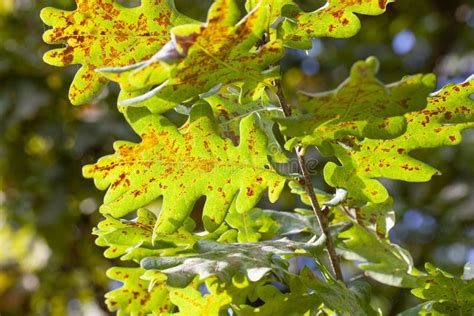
(255, 260)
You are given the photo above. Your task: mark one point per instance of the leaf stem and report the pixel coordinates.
(308, 184)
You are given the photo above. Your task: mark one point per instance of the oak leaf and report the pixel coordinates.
(200, 58)
(184, 165)
(338, 18)
(104, 33)
(447, 114)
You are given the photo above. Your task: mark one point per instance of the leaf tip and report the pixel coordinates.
(45, 15)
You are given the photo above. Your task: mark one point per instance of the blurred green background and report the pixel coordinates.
(49, 264)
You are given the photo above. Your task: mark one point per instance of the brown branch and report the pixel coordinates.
(308, 184)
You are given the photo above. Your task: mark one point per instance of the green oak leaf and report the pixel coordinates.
(336, 19)
(255, 260)
(134, 297)
(367, 243)
(133, 239)
(308, 295)
(361, 106)
(366, 240)
(297, 302)
(104, 34)
(274, 8)
(122, 235)
(228, 112)
(220, 52)
(448, 295)
(192, 303)
(242, 290)
(258, 224)
(184, 165)
(416, 310)
(335, 295)
(378, 217)
(250, 225)
(381, 260)
(447, 113)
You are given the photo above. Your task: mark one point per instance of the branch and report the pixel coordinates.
(308, 184)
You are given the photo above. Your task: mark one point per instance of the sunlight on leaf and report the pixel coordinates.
(447, 114)
(133, 297)
(338, 18)
(184, 165)
(220, 52)
(104, 34)
(449, 295)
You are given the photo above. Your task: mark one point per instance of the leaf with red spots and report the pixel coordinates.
(132, 239)
(202, 57)
(135, 297)
(104, 33)
(191, 302)
(362, 106)
(122, 235)
(183, 165)
(446, 115)
(446, 294)
(338, 18)
(255, 260)
(274, 9)
(228, 112)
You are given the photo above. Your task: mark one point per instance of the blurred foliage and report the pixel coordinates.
(49, 264)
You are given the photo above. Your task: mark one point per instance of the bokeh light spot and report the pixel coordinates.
(404, 42)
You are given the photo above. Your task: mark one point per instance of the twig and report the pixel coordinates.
(308, 184)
